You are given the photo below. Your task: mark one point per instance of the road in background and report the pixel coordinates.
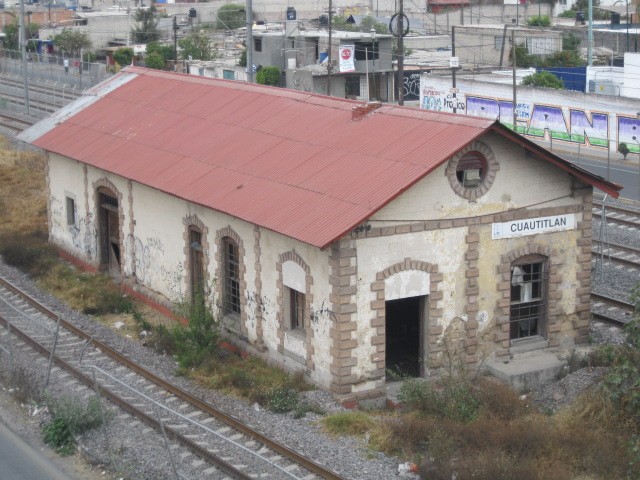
(20, 461)
(625, 172)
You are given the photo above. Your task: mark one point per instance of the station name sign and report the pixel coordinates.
(533, 226)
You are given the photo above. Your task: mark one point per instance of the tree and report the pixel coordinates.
(623, 149)
(539, 21)
(165, 50)
(268, 76)
(543, 79)
(11, 30)
(123, 56)
(146, 28)
(70, 42)
(197, 45)
(231, 16)
(154, 60)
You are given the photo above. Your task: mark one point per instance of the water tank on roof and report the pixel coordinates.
(192, 13)
(615, 18)
(291, 13)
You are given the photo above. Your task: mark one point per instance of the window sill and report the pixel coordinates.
(297, 333)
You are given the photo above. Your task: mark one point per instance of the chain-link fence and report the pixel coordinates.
(53, 81)
(54, 68)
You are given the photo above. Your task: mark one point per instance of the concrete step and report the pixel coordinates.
(527, 370)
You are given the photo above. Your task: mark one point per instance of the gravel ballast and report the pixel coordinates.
(139, 453)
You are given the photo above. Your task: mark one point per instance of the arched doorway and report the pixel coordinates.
(109, 231)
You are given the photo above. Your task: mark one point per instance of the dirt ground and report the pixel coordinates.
(26, 425)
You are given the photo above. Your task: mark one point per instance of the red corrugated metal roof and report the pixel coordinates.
(292, 162)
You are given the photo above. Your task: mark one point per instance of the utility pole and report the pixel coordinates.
(175, 43)
(23, 51)
(590, 35)
(329, 52)
(249, 41)
(504, 40)
(400, 52)
(453, 71)
(515, 98)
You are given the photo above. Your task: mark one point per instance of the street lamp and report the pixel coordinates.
(546, 123)
(373, 56)
(579, 142)
(627, 17)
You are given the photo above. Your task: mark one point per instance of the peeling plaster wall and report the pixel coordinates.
(272, 246)
(437, 247)
(153, 250)
(66, 178)
(521, 182)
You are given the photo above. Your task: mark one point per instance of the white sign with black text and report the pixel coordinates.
(532, 226)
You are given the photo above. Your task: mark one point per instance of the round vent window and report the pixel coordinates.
(472, 171)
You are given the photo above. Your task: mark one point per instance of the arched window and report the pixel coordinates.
(196, 264)
(529, 277)
(231, 277)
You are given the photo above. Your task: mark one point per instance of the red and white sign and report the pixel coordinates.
(346, 58)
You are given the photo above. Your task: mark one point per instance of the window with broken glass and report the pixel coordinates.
(528, 299)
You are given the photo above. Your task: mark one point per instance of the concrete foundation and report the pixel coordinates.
(527, 370)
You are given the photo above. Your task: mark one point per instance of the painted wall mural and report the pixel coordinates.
(590, 127)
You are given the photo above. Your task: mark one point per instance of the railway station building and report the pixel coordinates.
(343, 239)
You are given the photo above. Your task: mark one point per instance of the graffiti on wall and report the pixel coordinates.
(540, 120)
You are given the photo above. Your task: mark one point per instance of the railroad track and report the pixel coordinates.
(15, 125)
(226, 446)
(619, 215)
(611, 310)
(617, 253)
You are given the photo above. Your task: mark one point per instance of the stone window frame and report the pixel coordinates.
(97, 186)
(554, 293)
(283, 328)
(492, 166)
(378, 321)
(193, 222)
(228, 232)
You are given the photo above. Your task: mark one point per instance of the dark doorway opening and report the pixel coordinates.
(108, 217)
(404, 335)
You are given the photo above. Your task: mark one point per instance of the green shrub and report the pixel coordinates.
(539, 21)
(281, 399)
(348, 423)
(154, 60)
(58, 436)
(70, 418)
(123, 56)
(302, 408)
(268, 76)
(161, 340)
(231, 16)
(454, 399)
(109, 300)
(622, 382)
(200, 339)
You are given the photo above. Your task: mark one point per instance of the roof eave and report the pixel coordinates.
(585, 176)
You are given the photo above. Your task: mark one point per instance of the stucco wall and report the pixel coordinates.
(155, 255)
(525, 182)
